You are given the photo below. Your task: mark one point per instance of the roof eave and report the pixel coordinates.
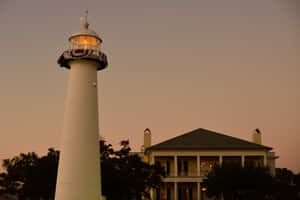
(176, 149)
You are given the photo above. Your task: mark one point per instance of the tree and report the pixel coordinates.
(30, 176)
(127, 174)
(285, 185)
(297, 183)
(236, 183)
(47, 169)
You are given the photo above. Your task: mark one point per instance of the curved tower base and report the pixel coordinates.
(79, 164)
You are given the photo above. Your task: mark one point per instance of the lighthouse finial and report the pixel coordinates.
(85, 24)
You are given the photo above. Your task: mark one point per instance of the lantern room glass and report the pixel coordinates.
(85, 42)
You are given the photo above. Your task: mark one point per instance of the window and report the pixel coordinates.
(254, 161)
(168, 168)
(179, 168)
(232, 160)
(168, 194)
(185, 168)
(207, 164)
(157, 194)
(190, 193)
(179, 194)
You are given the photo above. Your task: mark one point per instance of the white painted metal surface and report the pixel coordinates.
(79, 164)
(84, 31)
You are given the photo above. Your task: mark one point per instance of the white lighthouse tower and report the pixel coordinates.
(79, 164)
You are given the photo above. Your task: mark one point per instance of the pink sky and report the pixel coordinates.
(229, 66)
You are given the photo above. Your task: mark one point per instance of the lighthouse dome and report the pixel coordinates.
(85, 32)
(85, 39)
(84, 44)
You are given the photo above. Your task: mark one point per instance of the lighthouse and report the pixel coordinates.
(79, 174)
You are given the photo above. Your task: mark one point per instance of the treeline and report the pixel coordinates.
(29, 176)
(125, 176)
(252, 183)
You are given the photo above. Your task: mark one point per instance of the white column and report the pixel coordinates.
(243, 161)
(79, 163)
(198, 166)
(220, 161)
(175, 191)
(152, 160)
(175, 166)
(265, 160)
(151, 193)
(198, 191)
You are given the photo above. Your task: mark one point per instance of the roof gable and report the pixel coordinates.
(206, 139)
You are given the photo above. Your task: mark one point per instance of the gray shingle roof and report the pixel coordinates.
(206, 139)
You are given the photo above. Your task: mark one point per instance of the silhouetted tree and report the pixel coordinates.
(237, 183)
(297, 183)
(284, 185)
(125, 175)
(30, 176)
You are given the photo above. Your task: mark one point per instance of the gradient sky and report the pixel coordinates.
(228, 66)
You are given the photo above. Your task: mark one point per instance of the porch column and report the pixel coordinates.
(175, 166)
(198, 166)
(175, 191)
(243, 161)
(152, 161)
(220, 160)
(265, 160)
(151, 193)
(198, 191)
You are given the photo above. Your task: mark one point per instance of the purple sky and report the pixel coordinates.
(228, 66)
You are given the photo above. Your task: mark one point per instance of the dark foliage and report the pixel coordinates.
(284, 185)
(32, 177)
(234, 182)
(127, 174)
(237, 183)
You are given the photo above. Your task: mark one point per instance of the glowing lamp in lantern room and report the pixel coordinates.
(85, 39)
(84, 44)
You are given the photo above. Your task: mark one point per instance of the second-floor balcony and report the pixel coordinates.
(200, 166)
(183, 174)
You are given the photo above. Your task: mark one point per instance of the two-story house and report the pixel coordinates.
(189, 157)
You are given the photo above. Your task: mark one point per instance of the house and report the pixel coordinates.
(189, 157)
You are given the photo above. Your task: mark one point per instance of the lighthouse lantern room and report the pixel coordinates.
(84, 44)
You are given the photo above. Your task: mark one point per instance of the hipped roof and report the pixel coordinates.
(202, 139)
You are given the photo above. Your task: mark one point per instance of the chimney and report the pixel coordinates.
(256, 136)
(147, 138)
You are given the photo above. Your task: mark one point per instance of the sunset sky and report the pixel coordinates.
(174, 66)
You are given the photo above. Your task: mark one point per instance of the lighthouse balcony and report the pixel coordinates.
(79, 54)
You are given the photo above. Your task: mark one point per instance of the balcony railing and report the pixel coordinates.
(186, 174)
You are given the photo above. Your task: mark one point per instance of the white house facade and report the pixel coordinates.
(188, 158)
